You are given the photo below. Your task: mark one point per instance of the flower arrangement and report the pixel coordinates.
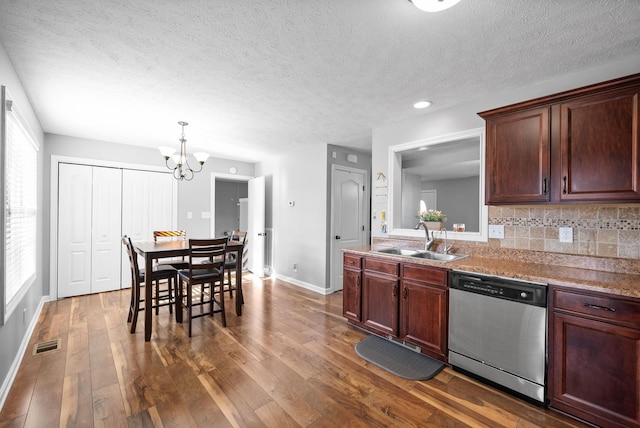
(431, 215)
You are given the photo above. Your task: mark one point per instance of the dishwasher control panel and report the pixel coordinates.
(503, 288)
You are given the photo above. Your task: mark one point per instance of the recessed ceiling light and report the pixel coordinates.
(422, 104)
(433, 5)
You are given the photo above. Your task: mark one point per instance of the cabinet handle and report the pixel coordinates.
(564, 185)
(404, 293)
(544, 186)
(395, 290)
(602, 308)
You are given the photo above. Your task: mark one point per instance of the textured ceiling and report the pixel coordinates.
(257, 78)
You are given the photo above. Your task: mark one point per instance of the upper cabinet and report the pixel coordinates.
(577, 146)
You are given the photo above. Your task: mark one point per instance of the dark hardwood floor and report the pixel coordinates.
(288, 361)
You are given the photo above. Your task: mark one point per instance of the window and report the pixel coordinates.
(20, 172)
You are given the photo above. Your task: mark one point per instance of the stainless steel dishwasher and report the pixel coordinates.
(498, 331)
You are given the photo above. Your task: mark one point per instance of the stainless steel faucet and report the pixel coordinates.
(428, 242)
(446, 247)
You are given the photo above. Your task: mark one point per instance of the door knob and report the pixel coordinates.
(337, 236)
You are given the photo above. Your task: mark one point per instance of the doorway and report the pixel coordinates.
(255, 221)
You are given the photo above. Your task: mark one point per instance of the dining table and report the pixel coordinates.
(151, 251)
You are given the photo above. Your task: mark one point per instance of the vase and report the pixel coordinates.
(435, 225)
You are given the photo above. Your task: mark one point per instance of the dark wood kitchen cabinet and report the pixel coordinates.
(577, 146)
(380, 287)
(424, 308)
(404, 301)
(351, 286)
(594, 355)
(517, 157)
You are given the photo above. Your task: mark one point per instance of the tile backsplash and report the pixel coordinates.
(598, 230)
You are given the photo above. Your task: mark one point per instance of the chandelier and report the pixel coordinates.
(182, 170)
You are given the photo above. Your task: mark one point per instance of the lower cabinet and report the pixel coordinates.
(424, 309)
(405, 301)
(594, 357)
(380, 284)
(351, 286)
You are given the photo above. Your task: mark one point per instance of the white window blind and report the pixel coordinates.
(20, 204)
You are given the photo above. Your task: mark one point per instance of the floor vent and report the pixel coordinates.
(43, 347)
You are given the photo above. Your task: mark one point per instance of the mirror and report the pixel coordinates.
(444, 173)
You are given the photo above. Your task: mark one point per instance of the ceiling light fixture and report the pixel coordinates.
(182, 170)
(422, 104)
(433, 5)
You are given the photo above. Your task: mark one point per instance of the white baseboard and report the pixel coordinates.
(303, 284)
(15, 366)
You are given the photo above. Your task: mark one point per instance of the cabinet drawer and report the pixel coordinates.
(424, 274)
(352, 261)
(381, 266)
(600, 306)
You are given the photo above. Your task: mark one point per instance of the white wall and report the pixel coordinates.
(14, 333)
(465, 117)
(300, 232)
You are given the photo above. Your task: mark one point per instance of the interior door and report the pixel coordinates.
(256, 228)
(348, 217)
(74, 230)
(106, 226)
(147, 205)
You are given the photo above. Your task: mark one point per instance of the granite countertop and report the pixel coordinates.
(622, 284)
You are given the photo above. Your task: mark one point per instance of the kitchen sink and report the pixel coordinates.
(398, 251)
(420, 254)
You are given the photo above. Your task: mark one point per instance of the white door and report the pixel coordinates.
(256, 229)
(148, 204)
(135, 210)
(428, 200)
(74, 229)
(106, 224)
(160, 202)
(347, 215)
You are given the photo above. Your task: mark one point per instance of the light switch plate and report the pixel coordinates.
(496, 231)
(565, 234)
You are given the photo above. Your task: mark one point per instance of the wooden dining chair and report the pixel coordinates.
(160, 272)
(232, 259)
(172, 235)
(206, 269)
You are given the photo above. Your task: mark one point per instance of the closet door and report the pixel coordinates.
(161, 202)
(148, 204)
(74, 229)
(106, 226)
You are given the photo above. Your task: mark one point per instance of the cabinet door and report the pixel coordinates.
(600, 148)
(380, 303)
(351, 294)
(423, 320)
(595, 372)
(517, 158)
